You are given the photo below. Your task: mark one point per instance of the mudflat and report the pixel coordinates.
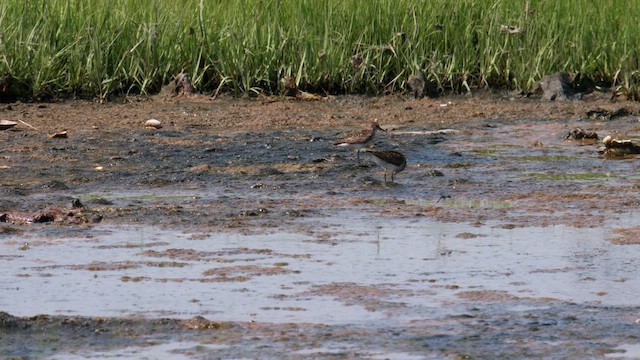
(236, 228)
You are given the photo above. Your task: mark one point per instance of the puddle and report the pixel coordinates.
(626, 351)
(361, 269)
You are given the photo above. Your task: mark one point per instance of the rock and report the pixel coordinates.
(601, 114)
(76, 204)
(581, 134)
(44, 217)
(153, 124)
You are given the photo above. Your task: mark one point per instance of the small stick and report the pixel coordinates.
(31, 126)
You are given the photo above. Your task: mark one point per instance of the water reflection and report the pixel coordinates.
(369, 268)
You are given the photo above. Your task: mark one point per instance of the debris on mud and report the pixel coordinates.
(614, 148)
(291, 89)
(606, 115)
(71, 332)
(77, 214)
(51, 215)
(59, 135)
(6, 124)
(581, 134)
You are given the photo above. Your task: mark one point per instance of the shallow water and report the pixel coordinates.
(626, 351)
(369, 269)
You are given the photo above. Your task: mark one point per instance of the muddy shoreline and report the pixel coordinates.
(243, 149)
(266, 166)
(548, 330)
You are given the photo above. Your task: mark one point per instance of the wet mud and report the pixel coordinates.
(239, 230)
(549, 330)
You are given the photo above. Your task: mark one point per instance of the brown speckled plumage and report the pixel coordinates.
(390, 160)
(360, 139)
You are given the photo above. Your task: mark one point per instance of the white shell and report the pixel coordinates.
(153, 123)
(5, 124)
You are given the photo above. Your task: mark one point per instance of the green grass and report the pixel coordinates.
(60, 48)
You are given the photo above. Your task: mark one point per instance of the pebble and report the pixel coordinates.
(153, 124)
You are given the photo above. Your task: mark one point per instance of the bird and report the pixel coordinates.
(360, 139)
(392, 161)
(417, 84)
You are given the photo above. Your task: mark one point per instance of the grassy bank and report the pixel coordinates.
(103, 47)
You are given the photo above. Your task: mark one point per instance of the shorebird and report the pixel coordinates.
(390, 160)
(417, 84)
(360, 139)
